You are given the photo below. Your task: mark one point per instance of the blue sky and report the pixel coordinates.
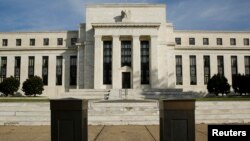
(44, 15)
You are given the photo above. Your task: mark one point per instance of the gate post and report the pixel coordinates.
(69, 119)
(177, 120)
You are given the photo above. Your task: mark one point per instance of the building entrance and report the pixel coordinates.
(126, 80)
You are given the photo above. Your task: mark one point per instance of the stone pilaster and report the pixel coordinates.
(154, 80)
(80, 66)
(98, 67)
(136, 62)
(116, 63)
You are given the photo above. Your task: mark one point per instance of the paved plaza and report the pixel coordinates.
(96, 133)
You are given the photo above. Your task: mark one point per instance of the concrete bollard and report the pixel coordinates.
(177, 120)
(69, 119)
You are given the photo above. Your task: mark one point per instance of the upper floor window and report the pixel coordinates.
(46, 41)
(178, 41)
(32, 42)
(232, 41)
(18, 42)
(59, 41)
(246, 41)
(191, 41)
(73, 41)
(205, 41)
(5, 42)
(219, 41)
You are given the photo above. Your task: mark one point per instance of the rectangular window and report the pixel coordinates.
(234, 65)
(18, 42)
(73, 70)
(232, 41)
(107, 62)
(32, 42)
(17, 67)
(193, 78)
(191, 41)
(178, 41)
(3, 68)
(178, 65)
(126, 53)
(205, 41)
(5, 42)
(145, 73)
(31, 67)
(219, 41)
(247, 65)
(45, 69)
(206, 60)
(220, 63)
(73, 41)
(46, 41)
(59, 63)
(59, 41)
(246, 41)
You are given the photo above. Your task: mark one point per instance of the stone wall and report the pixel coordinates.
(120, 113)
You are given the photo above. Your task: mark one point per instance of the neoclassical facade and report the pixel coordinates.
(124, 46)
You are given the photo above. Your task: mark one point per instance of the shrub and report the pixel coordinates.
(218, 84)
(33, 86)
(9, 86)
(240, 84)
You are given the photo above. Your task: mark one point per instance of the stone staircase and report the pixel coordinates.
(87, 93)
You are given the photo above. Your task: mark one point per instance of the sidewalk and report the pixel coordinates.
(96, 133)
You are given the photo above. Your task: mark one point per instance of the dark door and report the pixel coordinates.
(126, 80)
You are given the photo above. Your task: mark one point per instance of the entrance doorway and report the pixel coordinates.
(126, 80)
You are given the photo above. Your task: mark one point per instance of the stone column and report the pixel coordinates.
(116, 63)
(136, 62)
(154, 81)
(80, 65)
(98, 64)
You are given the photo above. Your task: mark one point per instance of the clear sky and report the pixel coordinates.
(44, 15)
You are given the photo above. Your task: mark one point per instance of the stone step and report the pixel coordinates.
(89, 90)
(162, 90)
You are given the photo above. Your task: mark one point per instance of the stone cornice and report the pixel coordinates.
(104, 25)
(34, 32)
(124, 5)
(207, 31)
(36, 48)
(212, 48)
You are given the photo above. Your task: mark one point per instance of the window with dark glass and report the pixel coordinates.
(219, 41)
(46, 41)
(5, 42)
(246, 41)
(17, 67)
(32, 42)
(107, 62)
(191, 41)
(59, 62)
(232, 41)
(18, 42)
(45, 69)
(234, 65)
(73, 41)
(178, 41)
(31, 67)
(205, 41)
(3, 68)
(220, 63)
(206, 60)
(178, 65)
(59, 41)
(247, 65)
(126, 53)
(145, 62)
(73, 70)
(193, 78)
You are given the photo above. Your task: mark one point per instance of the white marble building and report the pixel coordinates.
(129, 46)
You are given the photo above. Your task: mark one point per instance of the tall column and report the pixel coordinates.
(80, 51)
(136, 62)
(116, 63)
(154, 81)
(98, 64)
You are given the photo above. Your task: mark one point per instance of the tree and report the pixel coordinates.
(9, 86)
(33, 86)
(218, 84)
(241, 84)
